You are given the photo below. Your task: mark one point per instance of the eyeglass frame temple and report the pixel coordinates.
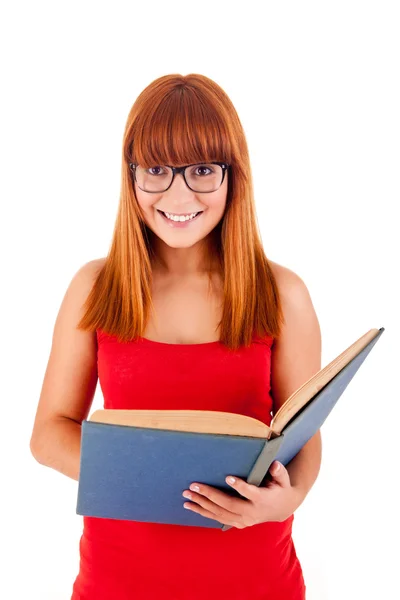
(177, 170)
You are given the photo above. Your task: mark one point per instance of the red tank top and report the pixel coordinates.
(129, 560)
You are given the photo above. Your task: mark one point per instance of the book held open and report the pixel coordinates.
(122, 450)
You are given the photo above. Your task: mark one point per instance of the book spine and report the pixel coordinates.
(262, 464)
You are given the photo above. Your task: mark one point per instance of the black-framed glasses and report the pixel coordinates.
(203, 178)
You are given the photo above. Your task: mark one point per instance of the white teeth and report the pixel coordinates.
(180, 218)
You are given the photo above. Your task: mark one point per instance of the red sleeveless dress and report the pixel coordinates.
(129, 560)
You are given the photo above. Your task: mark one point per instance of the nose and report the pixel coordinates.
(179, 185)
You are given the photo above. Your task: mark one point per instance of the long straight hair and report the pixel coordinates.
(185, 120)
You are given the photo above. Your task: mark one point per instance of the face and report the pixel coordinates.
(180, 200)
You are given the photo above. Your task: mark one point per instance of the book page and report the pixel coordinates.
(196, 421)
(311, 387)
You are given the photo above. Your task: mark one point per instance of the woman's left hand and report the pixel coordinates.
(275, 502)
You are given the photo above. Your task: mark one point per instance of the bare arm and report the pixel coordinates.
(61, 446)
(296, 357)
(69, 383)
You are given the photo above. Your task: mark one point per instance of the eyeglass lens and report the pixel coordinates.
(202, 177)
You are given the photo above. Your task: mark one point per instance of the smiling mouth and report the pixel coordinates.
(180, 222)
(180, 214)
(196, 214)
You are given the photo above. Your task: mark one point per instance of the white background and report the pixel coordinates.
(316, 86)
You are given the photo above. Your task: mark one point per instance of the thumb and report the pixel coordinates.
(280, 474)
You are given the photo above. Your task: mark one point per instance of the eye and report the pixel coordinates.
(155, 168)
(202, 168)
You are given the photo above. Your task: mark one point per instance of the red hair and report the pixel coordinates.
(183, 120)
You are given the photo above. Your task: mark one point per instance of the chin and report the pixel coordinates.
(173, 244)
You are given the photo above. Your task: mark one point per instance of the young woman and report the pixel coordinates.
(185, 312)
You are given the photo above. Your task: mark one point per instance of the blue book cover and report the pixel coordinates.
(139, 473)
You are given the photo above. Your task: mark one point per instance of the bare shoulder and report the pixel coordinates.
(91, 269)
(78, 290)
(296, 353)
(288, 281)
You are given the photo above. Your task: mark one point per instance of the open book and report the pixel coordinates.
(121, 450)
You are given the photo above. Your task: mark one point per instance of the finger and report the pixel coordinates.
(218, 497)
(216, 502)
(216, 512)
(280, 474)
(247, 490)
